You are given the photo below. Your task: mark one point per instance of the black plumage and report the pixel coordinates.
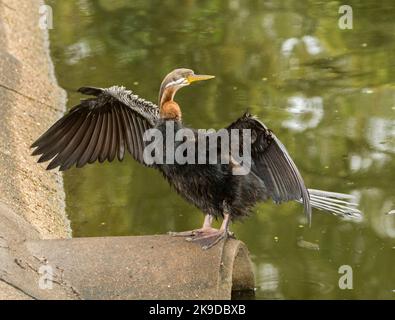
(98, 128)
(113, 122)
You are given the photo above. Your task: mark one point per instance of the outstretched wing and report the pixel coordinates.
(272, 163)
(99, 128)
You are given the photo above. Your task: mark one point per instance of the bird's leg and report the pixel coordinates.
(206, 228)
(209, 239)
(208, 220)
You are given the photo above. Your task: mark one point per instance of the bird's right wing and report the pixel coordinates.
(99, 128)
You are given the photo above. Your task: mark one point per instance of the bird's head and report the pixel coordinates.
(177, 79)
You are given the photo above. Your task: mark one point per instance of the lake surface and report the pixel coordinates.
(327, 93)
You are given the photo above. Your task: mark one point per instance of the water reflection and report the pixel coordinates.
(310, 43)
(305, 113)
(327, 93)
(268, 281)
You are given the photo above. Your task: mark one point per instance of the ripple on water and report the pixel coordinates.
(273, 283)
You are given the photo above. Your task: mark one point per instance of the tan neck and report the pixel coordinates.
(169, 109)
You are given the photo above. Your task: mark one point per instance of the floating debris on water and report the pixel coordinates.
(390, 212)
(367, 90)
(307, 245)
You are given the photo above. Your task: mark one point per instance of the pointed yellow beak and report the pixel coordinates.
(199, 77)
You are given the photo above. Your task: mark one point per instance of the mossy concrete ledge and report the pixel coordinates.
(38, 257)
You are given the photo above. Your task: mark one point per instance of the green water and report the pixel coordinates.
(327, 93)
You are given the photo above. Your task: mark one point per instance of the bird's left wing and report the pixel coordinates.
(99, 128)
(272, 163)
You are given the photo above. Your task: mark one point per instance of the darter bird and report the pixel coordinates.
(114, 121)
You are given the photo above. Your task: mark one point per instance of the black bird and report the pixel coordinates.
(115, 120)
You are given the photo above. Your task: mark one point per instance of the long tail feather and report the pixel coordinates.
(339, 204)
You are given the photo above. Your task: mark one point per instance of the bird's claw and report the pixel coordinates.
(181, 234)
(192, 233)
(206, 236)
(209, 240)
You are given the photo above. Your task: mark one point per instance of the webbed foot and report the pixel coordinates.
(210, 238)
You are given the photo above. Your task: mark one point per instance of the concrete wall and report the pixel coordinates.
(32, 200)
(30, 101)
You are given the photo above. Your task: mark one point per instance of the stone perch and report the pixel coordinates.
(143, 267)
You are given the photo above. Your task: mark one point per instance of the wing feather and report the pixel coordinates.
(70, 144)
(100, 140)
(99, 128)
(273, 165)
(114, 133)
(47, 145)
(88, 152)
(105, 148)
(121, 130)
(128, 130)
(79, 150)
